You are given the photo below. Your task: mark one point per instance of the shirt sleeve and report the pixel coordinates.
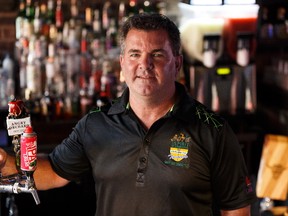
(68, 159)
(230, 180)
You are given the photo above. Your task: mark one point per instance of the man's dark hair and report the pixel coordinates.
(150, 22)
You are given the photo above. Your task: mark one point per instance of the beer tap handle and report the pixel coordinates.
(25, 143)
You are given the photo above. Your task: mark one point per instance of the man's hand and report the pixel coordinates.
(3, 158)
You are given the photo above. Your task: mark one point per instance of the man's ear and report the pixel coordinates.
(120, 59)
(178, 62)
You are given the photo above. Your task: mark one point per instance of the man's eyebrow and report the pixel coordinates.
(133, 50)
(158, 50)
(138, 51)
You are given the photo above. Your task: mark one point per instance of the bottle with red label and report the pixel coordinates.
(28, 151)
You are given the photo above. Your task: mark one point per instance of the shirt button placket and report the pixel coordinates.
(142, 164)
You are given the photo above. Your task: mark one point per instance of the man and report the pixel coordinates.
(155, 151)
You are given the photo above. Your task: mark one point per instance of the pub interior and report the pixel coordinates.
(61, 58)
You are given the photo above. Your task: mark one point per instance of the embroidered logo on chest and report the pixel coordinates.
(179, 148)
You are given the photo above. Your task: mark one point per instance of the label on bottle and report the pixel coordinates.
(28, 151)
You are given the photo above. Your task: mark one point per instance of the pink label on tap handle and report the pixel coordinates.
(28, 153)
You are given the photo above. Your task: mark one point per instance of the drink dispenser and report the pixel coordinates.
(240, 47)
(235, 26)
(202, 40)
(244, 74)
(211, 49)
(244, 44)
(219, 49)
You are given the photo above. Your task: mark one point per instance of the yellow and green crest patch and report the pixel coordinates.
(179, 151)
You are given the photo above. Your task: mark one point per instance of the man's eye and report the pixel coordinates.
(157, 54)
(134, 55)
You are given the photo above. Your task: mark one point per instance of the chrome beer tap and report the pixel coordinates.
(19, 183)
(19, 127)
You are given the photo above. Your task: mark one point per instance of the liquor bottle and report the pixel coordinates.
(3, 87)
(71, 100)
(111, 39)
(161, 7)
(43, 17)
(59, 106)
(23, 47)
(88, 18)
(32, 104)
(122, 13)
(8, 68)
(85, 73)
(96, 70)
(96, 24)
(89, 33)
(59, 16)
(132, 8)
(107, 79)
(33, 71)
(46, 104)
(47, 100)
(105, 16)
(30, 10)
(28, 28)
(147, 6)
(50, 17)
(121, 85)
(51, 21)
(74, 11)
(20, 20)
(102, 99)
(60, 78)
(37, 22)
(97, 44)
(85, 61)
(280, 24)
(105, 94)
(86, 99)
(76, 20)
(52, 33)
(266, 26)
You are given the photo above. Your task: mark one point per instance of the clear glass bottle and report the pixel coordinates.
(19, 21)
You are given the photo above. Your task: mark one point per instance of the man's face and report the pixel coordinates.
(148, 64)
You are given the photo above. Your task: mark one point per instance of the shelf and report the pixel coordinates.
(271, 45)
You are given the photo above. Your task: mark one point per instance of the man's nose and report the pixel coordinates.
(146, 63)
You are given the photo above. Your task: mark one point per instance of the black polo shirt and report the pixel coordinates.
(184, 162)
